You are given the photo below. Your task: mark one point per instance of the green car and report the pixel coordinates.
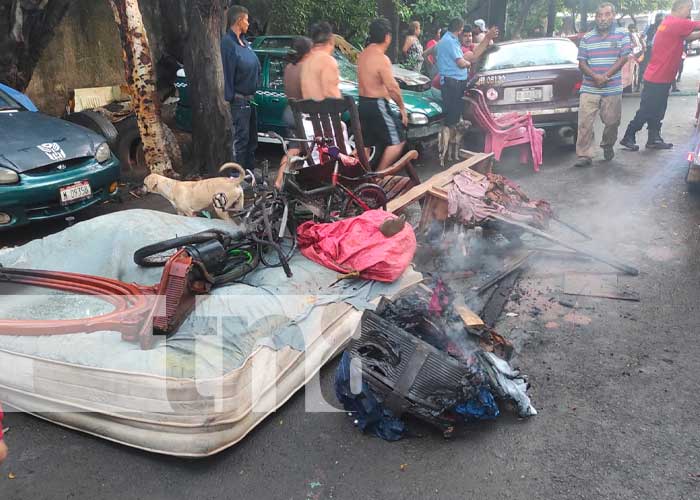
(425, 114)
(49, 167)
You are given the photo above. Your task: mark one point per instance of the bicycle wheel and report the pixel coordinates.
(364, 197)
(157, 254)
(284, 232)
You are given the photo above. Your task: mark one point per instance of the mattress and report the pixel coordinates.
(242, 353)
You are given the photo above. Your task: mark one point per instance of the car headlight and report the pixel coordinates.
(103, 153)
(417, 119)
(8, 176)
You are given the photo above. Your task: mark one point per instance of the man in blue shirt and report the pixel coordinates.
(453, 67)
(241, 76)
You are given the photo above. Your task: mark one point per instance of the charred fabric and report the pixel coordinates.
(416, 356)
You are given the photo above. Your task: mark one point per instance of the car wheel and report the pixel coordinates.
(131, 154)
(97, 123)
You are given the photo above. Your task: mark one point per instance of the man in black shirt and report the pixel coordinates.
(241, 75)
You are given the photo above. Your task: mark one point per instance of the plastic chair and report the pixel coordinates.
(326, 118)
(522, 133)
(506, 120)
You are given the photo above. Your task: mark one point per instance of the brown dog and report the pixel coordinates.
(451, 141)
(190, 198)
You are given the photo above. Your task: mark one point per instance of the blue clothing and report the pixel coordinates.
(601, 52)
(448, 51)
(241, 67)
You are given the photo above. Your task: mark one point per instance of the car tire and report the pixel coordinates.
(130, 150)
(97, 123)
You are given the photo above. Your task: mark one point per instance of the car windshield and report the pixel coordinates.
(7, 103)
(530, 53)
(348, 71)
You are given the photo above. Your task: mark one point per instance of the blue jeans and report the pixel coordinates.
(245, 132)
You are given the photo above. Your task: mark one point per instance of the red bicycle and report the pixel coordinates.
(337, 187)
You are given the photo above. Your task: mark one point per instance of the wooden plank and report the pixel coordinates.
(494, 307)
(469, 317)
(604, 286)
(439, 180)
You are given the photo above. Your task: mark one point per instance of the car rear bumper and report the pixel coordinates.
(551, 117)
(37, 197)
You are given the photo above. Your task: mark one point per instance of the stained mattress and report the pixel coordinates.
(243, 352)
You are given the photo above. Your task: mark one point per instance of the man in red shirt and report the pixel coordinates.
(660, 74)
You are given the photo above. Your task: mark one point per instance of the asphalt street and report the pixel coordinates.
(615, 382)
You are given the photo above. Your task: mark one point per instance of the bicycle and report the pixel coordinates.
(332, 199)
(267, 236)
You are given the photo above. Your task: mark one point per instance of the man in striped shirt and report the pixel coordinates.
(602, 54)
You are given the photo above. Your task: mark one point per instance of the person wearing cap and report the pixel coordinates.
(479, 31)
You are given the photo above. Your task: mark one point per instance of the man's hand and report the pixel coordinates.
(404, 117)
(600, 80)
(3, 451)
(492, 33)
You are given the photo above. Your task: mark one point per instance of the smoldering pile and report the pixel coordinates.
(417, 356)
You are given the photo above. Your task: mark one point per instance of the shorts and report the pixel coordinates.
(381, 126)
(452, 93)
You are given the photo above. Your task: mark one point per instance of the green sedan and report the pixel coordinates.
(49, 167)
(425, 114)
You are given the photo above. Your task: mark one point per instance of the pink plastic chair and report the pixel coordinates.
(506, 120)
(521, 133)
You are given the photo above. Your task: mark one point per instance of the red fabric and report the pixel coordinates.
(668, 49)
(430, 44)
(356, 244)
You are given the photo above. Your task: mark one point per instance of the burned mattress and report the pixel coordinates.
(240, 355)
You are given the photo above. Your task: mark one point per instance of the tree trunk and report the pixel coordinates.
(211, 118)
(584, 16)
(140, 76)
(387, 8)
(26, 28)
(551, 17)
(524, 10)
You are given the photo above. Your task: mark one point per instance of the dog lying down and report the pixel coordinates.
(451, 141)
(217, 195)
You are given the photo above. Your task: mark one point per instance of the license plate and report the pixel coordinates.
(75, 192)
(531, 94)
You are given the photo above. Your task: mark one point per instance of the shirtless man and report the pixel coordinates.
(381, 127)
(320, 76)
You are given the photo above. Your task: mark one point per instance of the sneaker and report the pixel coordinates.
(583, 162)
(608, 153)
(629, 143)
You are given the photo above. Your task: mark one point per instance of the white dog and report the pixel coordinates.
(451, 141)
(219, 194)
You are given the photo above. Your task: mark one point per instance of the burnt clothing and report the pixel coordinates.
(241, 67)
(452, 94)
(652, 107)
(381, 126)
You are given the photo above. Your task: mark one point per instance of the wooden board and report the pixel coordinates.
(439, 181)
(469, 317)
(606, 286)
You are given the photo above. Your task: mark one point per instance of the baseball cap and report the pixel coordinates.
(481, 24)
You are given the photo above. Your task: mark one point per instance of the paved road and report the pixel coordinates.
(615, 382)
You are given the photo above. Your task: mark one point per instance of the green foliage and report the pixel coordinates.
(349, 18)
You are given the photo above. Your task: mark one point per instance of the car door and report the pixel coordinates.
(273, 97)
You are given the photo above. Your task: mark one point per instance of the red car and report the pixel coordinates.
(539, 76)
